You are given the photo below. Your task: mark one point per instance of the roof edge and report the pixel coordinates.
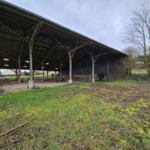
(40, 18)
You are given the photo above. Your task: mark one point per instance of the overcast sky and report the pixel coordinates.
(101, 20)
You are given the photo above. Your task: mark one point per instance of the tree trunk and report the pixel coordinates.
(145, 55)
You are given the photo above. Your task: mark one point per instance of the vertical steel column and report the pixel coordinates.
(19, 80)
(31, 65)
(47, 74)
(16, 74)
(70, 67)
(36, 29)
(93, 75)
(43, 72)
(60, 72)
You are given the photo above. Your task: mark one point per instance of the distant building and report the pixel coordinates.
(8, 72)
(11, 72)
(45, 72)
(54, 72)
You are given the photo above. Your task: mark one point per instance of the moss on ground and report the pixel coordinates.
(81, 116)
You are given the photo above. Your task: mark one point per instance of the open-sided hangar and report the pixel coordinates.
(29, 41)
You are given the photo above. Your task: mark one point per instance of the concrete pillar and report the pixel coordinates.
(107, 67)
(93, 75)
(70, 67)
(43, 72)
(19, 80)
(31, 65)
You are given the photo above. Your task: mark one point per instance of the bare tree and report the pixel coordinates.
(132, 53)
(138, 31)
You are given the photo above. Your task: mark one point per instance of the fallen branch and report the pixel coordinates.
(14, 129)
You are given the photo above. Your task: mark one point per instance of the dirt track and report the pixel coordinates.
(17, 87)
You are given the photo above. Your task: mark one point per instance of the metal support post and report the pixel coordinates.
(52, 76)
(94, 59)
(16, 74)
(70, 67)
(47, 74)
(35, 32)
(60, 72)
(19, 61)
(93, 75)
(31, 65)
(19, 80)
(43, 72)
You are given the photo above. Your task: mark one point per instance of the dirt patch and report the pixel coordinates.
(17, 87)
(119, 95)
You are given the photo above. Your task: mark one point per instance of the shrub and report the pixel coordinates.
(26, 73)
(37, 73)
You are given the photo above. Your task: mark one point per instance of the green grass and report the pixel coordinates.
(112, 115)
(139, 71)
(26, 78)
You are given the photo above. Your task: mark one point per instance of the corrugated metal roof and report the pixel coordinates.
(21, 20)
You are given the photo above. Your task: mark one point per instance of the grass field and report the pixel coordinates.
(139, 71)
(27, 78)
(103, 115)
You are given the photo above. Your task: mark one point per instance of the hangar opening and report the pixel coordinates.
(32, 42)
